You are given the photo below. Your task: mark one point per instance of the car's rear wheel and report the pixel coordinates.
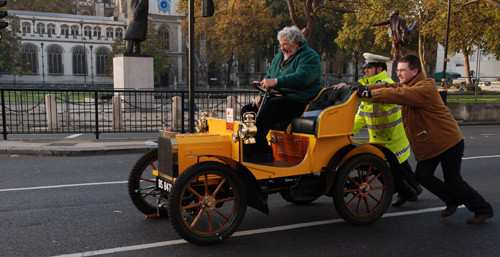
(207, 203)
(363, 189)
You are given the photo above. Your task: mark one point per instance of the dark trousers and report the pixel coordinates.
(454, 190)
(405, 183)
(408, 175)
(275, 110)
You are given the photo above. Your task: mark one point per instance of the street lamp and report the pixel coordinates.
(443, 90)
(84, 63)
(43, 67)
(91, 65)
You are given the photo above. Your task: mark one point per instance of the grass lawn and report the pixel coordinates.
(462, 98)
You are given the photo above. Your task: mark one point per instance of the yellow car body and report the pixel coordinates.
(193, 170)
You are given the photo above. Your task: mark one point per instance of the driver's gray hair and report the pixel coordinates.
(292, 34)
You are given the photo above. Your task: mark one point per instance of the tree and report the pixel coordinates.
(473, 25)
(238, 30)
(11, 59)
(306, 17)
(54, 6)
(359, 36)
(153, 46)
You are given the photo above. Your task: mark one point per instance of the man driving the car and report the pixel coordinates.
(296, 72)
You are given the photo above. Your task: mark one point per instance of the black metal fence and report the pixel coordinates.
(33, 111)
(36, 111)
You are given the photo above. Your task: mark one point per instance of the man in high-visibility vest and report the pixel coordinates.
(384, 124)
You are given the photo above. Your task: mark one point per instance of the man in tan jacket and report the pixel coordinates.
(434, 137)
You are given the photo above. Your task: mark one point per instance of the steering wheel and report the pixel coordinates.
(272, 92)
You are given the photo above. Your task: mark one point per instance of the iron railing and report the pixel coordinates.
(34, 111)
(48, 111)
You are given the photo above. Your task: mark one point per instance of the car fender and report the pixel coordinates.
(348, 151)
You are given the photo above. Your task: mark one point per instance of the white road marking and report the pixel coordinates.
(241, 233)
(481, 157)
(61, 186)
(236, 234)
(74, 135)
(123, 182)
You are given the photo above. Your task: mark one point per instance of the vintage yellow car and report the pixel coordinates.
(202, 184)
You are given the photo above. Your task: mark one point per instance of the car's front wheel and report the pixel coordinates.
(207, 203)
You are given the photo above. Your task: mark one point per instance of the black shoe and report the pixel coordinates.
(400, 201)
(406, 194)
(413, 199)
(419, 190)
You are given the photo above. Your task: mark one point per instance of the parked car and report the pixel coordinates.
(450, 76)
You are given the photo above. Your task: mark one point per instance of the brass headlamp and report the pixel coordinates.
(202, 124)
(247, 129)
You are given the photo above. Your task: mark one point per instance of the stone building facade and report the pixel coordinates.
(70, 51)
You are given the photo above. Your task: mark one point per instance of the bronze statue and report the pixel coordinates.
(137, 17)
(398, 31)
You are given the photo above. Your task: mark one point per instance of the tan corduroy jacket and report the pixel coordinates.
(429, 124)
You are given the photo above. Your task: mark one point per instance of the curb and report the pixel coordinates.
(74, 152)
(82, 152)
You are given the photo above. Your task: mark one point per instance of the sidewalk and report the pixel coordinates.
(74, 147)
(80, 147)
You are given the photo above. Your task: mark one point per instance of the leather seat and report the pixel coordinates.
(326, 97)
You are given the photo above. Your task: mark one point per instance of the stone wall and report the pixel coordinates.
(475, 112)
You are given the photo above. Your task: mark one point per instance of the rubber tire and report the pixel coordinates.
(386, 181)
(177, 200)
(145, 164)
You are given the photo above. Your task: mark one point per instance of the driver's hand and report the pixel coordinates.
(257, 101)
(269, 83)
(339, 86)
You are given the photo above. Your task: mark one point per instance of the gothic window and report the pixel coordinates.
(101, 56)
(118, 33)
(87, 32)
(26, 28)
(51, 29)
(109, 33)
(79, 61)
(41, 29)
(30, 56)
(54, 59)
(97, 32)
(75, 30)
(165, 35)
(64, 30)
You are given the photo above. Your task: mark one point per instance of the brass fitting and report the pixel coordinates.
(202, 124)
(248, 130)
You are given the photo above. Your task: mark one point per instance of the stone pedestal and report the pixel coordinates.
(134, 73)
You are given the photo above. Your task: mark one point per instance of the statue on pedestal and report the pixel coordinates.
(137, 20)
(400, 34)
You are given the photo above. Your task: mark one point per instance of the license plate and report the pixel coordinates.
(163, 185)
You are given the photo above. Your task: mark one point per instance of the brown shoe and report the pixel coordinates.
(449, 210)
(480, 219)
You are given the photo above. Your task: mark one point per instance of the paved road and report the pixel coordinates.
(52, 206)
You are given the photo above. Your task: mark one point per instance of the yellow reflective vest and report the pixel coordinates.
(383, 121)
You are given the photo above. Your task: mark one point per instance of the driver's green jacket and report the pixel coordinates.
(383, 121)
(299, 77)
